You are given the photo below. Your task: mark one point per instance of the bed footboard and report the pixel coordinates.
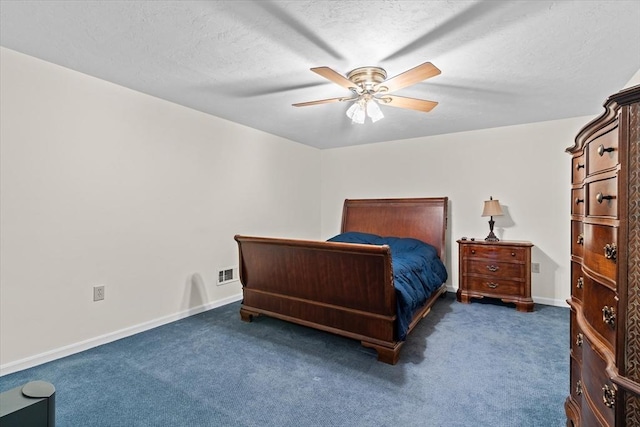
(341, 288)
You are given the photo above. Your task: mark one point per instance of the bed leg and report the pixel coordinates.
(385, 354)
(248, 315)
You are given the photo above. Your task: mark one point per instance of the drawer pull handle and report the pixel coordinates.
(580, 283)
(602, 150)
(580, 240)
(579, 200)
(493, 268)
(473, 251)
(601, 197)
(492, 285)
(579, 339)
(579, 388)
(609, 396)
(609, 315)
(513, 254)
(610, 251)
(579, 166)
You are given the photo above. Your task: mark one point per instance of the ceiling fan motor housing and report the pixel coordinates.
(367, 77)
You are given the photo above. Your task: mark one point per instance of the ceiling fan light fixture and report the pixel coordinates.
(357, 112)
(374, 111)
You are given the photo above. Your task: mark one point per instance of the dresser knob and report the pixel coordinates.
(579, 388)
(579, 200)
(580, 283)
(610, 251)
(602, 150)
(609, 396)
(492, 285)
(493, 268)
(513, 254)
(473, 251)
(609, 315)
(579, 166)
(579, 339)
(580, 240)
(601, 197)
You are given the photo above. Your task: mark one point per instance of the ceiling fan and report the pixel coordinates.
(369, 86)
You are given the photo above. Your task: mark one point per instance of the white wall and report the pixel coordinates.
(104, 185)
(525, 167)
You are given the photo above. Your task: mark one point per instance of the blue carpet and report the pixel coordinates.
(479, 364)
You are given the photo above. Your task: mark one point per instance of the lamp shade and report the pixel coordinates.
(492, 208)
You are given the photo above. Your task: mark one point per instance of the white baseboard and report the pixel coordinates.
(551, 301)
(68, 350)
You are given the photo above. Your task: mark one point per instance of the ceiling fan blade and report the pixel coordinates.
(409, 77)
(321, 101)
(335, 77)
(410, 103)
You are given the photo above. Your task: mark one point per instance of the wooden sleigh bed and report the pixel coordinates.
(343, 288)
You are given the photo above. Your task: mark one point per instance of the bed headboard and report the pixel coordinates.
(420, 218)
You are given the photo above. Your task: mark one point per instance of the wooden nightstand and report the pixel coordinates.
(497, 270)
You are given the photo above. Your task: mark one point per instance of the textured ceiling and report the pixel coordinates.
(502, 62)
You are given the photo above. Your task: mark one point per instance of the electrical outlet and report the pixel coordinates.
(98, 293)
(535, 267)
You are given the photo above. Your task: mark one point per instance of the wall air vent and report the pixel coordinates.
(227, 275)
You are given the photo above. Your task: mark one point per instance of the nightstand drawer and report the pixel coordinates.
(494, 286)
(495, 269)
(494, 252)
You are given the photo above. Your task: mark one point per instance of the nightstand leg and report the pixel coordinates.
(462, 297)
(524, 306)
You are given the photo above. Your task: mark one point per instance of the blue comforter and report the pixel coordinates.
(417, 272)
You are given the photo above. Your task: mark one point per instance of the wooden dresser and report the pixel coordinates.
(605, 267)
(497, 270)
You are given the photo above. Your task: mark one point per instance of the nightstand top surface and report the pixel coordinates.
(498, 243)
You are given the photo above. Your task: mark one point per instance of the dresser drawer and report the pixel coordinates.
(577, 239)
(494, 252)
(603, 197)
(577, 338)
(600, 308)
(495, 286)
(596, 386)
(576, 381)
(603, 152)
(588, 417)
(495, 269)
(578, 171)
(600, 250)
(577, 280)
(577, 201)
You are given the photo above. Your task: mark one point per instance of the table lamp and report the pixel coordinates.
(491, 208)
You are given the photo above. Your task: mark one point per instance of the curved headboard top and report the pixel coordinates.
(420, 218)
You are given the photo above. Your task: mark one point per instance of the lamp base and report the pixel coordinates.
(491, 237)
